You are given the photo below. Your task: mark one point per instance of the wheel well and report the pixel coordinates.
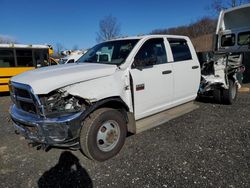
(117, 103)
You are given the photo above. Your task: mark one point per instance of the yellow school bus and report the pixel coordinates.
(17, 58)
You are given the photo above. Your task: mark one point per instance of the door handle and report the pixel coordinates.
(195, 67)
(167, 72)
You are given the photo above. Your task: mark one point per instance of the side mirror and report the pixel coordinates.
(138, 63)
(151, 61)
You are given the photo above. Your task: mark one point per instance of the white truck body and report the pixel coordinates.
(172, 90)
(138, 88)
(233, 29)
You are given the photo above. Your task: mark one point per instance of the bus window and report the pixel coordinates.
(7, 58)
(41, 57)
(24, 58)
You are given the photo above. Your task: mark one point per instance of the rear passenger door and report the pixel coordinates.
(185, 69)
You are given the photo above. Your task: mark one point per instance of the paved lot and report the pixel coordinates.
(209, 147)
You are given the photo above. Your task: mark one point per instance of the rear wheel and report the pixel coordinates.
(230, 94)
(217, 95)
(103, 134)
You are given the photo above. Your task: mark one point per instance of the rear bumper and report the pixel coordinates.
(59, 131)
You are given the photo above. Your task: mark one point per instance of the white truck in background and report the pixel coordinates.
(219, 69)
(119, 86)
(71, 56)
(70, 59)
(233, 30)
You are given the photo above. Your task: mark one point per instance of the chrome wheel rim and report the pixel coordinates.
(108, 135)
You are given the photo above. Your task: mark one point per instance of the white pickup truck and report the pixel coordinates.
(92, 104)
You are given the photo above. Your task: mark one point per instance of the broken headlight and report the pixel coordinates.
(61, 102)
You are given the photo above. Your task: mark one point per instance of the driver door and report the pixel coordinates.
(152, 79)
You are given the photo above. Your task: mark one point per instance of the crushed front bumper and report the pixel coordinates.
(59, 131)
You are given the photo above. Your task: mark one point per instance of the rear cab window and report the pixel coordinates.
(180, 49)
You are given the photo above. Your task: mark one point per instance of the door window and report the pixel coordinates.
(152, 52)
(180, 50)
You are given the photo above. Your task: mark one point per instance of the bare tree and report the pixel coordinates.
(7, 39)
(59, 48)
(218, 5)
(109, 28)
(201, 27)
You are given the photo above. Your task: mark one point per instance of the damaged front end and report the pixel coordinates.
(216, 71)
(52, 119)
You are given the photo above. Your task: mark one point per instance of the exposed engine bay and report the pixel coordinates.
(61, 102)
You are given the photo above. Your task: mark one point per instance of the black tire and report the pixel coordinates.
(230, 94)
(217, 95)
(94, 125)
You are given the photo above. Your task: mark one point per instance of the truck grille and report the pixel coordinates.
(23, 98)
(22, 93)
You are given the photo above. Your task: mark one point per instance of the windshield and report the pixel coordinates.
(112, 52)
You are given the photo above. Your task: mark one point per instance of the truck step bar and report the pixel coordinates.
(163, 117)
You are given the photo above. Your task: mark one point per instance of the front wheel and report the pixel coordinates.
(230, 94)
(103, 134)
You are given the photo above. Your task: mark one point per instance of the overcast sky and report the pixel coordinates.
(76, 22)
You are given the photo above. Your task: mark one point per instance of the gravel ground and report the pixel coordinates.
(209, 147)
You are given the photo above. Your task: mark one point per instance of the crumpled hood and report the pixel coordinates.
(45, 80)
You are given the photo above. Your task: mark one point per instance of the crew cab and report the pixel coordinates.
(92, 104)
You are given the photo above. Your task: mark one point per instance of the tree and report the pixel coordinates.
(7, 39)
(218, 5)
(59, 48)
(109, 28)
(201, 27)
